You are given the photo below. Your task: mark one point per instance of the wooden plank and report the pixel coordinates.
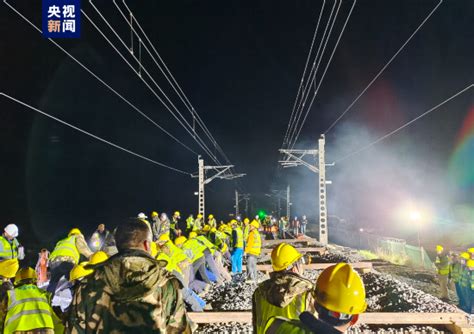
(288, 241)
(376, 318)
(317, 266)
(320, 250)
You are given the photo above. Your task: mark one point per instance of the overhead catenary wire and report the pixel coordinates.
(93, 135)
(182, 121)
(170, 78)
(383, 68)
(134, 107)
(404, 125)
(311, 79)
(324, 73)
(304, 72)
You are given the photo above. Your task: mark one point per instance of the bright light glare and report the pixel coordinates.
(415, 216)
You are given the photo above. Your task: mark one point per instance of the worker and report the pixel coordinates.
(195, 253)
(166, 246)
(130, 292)
(304, 222)
(65, 255)
(283, 227)
(442, 267)
(470, 286)
(462, 281)
(339, 300)
(10, 248)
(252, 250)
(174, 225)
(189, 224)
(165, 225)
(455, 272)
(155, 225)
(27, 308)
(216, 255)
(237, 248)
(98, 238)
(198, 223)
(42, 266)
(211, 221)
(286, 293)
(143, 217)
(471, 252)
(208, 249)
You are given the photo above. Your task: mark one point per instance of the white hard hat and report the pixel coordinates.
(12, 230)
(141, 215)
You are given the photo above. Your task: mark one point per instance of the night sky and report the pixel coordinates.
(240, 64)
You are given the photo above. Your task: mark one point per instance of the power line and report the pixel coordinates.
(313, 79)
(102, 81)
(304, 73)
(93, 136)
(177, 88)
(180, 121)
(383, 68)
(405, 125)
(324, 73)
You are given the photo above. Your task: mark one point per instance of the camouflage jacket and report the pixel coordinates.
(283, 287)
(129, 293)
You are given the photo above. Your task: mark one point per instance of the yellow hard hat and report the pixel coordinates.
(154, 214)
(283, 256)
(213, 230)
(206, 228)
(465, 256)
(98, 257)
(470, 263)
(164, 237)
(439, 248)
(199, 216)
(255, 224)
(211, 216)
(8, 268)
(180, 240)
(471, 250)
(340, 289)
(177, 213)
(246, 221)
(192, 235)
(78, 271)
(74, 231)
(24, 274)
(233, 221)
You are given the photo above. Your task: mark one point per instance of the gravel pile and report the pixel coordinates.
(225, 328)
(386, 294)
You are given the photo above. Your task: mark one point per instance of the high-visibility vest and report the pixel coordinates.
(239, 243)
(212, 222)
(189, 223)
(464, 281)
(203, 240)
(456, 270)
(254, 243)
(265, 310)
(9, 249)
(66, 247)
(196, 249)
(28, 309)
(176, 253)
(278, 325)
(246, 231)
(172, 265)
(442, 264)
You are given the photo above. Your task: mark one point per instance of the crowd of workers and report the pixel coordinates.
(142, 276)
(456, 271)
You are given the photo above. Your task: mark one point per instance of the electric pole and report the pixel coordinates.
(288, 203)
(221, 172)
(294, 158)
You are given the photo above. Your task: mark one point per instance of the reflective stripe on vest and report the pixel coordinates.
(66, 247)
(240, 238)
(28, 309)
(9, 250)
(265, 310)
(444, 269)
